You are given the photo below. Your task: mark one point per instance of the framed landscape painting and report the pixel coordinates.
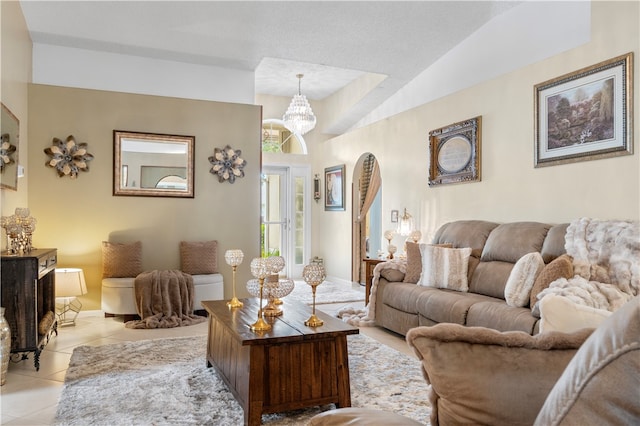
(585, 115)
(334, 188)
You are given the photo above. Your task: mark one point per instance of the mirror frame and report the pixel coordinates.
(9, 177)
(118, 190)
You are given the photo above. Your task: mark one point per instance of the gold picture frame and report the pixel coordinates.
(455, 152)
(586, 114)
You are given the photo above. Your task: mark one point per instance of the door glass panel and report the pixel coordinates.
(273, 226)
(299, 220)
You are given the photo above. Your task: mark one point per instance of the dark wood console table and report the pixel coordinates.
(28, 294)
(289, 367)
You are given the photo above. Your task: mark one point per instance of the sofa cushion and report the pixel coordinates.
(561, 267)
(121, 260)
(600, 384)
(510, 241)
(401, 296)
(553, 245)
(445, 267)
(478, 375)
(465, 233)
(414, 261)
(517, 291)
(439, 305)
(497, 315)
(199, 257)
(489, 278)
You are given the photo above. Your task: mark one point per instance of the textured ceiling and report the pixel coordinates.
(331, 43)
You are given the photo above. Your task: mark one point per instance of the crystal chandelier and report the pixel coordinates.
(299, 117)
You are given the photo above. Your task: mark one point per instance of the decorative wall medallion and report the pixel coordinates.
(69, 157)
(227, 164)
(6, 152)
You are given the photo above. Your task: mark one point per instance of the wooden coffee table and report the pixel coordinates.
(288, 367)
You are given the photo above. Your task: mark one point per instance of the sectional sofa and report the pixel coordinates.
(495, 254)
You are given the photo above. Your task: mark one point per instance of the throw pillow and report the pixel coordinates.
(483, 376)
(445, 267)
(517, 291)
(559, 313)
(560, 267)
(600, 384)
(414, 261)
(198, 258)
(121, 260)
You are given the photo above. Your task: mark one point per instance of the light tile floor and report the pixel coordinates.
(30, 397)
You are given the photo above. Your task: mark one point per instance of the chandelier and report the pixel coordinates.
(299, 117)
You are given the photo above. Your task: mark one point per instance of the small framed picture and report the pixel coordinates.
(334, 188)
(394, 216)
(586, 114)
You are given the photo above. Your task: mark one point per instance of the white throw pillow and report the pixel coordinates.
(517, 291)
(445, 267)
(558, 313)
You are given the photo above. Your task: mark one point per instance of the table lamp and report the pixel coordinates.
(70, 283)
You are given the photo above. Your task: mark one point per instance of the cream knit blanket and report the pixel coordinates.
(366, 317)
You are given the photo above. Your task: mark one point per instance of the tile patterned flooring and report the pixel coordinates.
(30, 397)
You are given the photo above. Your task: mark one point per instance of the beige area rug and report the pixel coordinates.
(327, 292)
(166, 382)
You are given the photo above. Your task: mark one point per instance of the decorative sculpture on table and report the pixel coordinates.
(259, 270)
(313, 275)
(233, 259)
(19, 228)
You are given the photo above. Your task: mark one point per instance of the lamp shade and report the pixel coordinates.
(70, 282)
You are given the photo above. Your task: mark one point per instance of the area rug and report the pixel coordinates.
(327, 292)
(166, 382)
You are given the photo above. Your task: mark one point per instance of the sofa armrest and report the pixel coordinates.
(483, 376)
(392, 275)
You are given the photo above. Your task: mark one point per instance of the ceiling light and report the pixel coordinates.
(299, 117)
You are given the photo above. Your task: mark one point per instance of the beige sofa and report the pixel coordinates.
(495, 250)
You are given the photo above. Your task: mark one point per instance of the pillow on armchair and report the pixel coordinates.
(199, 257)
(121, 260)
(483, 376)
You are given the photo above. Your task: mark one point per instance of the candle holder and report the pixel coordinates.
(233, 259)
(259, 270)
(313, 275)
(275, 264)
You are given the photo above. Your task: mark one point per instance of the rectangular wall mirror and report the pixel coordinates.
(10, 129)
(152, 165)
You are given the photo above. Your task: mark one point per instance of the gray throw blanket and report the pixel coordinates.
(164, 299)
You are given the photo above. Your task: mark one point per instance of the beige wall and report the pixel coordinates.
(16, 74)
(511, 188)
(75, 216)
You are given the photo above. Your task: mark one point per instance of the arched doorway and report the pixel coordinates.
(367, 213)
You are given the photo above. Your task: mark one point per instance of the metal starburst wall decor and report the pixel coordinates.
(227, 164)
(68, 157)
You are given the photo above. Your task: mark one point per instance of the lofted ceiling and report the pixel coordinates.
(332, 43)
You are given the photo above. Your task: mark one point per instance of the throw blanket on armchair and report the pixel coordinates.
(164, 299)
(606, 262)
